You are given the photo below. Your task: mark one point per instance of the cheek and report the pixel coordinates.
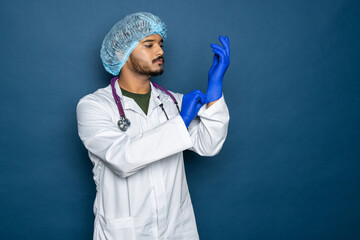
(138, 61)
(144, 55)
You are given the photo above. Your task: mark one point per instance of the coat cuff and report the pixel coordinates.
(216, 107)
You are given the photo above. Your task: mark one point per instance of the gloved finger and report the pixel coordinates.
(223, 51)
(215, 60)
(195, 92)
(195, 98)
(226, 54)
(197, 95)
(221, 55)
(215, 46)
(228, 46)
(220, 51)
(224, 43)
(203, 101)
(198, 106)
(201, 98)
(199, 102)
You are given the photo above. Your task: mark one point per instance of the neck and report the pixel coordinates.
(133, 82)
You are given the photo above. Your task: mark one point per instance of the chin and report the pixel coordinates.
(157, 73)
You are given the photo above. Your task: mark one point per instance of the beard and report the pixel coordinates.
(142, 69)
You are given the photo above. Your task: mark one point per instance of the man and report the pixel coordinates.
(139, 173)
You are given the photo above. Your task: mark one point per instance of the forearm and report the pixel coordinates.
(209, 130)
(124, 154)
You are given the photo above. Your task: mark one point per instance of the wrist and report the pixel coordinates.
(213, 95)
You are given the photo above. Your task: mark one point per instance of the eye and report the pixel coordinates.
(148, 46)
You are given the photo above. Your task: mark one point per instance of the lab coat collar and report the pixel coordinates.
(129, 103)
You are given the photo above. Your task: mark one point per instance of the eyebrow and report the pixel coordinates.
(151, 40)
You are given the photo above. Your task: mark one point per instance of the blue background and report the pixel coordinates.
(289, 168)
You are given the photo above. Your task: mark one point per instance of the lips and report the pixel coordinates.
(161, 60)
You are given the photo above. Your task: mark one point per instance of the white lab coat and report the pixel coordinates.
(142, 192)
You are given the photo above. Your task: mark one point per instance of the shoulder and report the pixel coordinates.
(178, 96)
(101, 97)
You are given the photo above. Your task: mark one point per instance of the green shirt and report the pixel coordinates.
(141, 99)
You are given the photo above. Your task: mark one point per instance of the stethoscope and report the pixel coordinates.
(124, 123)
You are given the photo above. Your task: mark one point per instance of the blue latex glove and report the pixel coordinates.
(221, 62)
(191, 103)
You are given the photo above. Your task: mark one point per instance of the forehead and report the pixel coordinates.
(154, 37)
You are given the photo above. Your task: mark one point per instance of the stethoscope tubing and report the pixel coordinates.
(124, 123)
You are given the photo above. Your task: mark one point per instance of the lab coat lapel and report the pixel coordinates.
(154, 99)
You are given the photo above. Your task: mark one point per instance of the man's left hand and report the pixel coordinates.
(220, 64)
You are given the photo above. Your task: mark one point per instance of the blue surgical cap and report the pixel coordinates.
(124, 37)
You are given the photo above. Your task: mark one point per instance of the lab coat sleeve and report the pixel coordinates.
(208, 130)
(123, 154)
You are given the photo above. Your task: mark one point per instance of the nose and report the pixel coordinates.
(159, 51)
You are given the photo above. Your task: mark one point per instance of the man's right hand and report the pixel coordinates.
(191, 103)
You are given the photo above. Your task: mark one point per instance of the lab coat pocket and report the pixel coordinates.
(118, 228)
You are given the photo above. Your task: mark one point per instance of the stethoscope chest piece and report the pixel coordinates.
(123, 123)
